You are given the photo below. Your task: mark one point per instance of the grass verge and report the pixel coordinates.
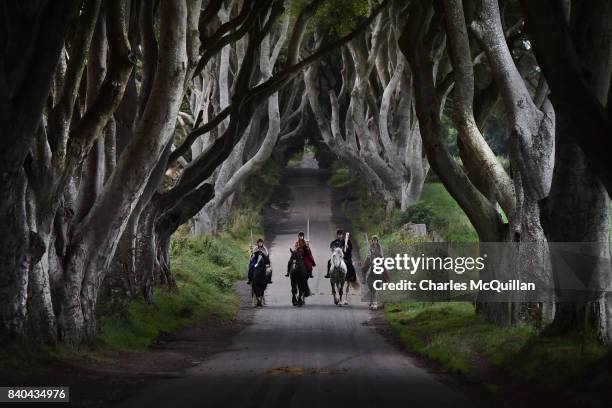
(451, 333)
(460, 341)
(437, 209)
(205, 269)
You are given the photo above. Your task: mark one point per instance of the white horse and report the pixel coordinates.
(338, 276)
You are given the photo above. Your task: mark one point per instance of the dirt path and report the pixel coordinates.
(316, 356)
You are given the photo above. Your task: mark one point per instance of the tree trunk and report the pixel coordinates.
(95, 239)
(34, 38)
(15, 254)
(578, 207)
(419, 53)
(572, 92)
(532, 132)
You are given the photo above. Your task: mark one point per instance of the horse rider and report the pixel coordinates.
(347, 250)
(375, 250)
(255, 252)
(303, 247)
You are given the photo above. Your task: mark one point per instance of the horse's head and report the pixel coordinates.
(337, 256)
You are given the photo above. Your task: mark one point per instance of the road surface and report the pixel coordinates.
(316, 356)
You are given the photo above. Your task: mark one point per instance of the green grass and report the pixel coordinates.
(451, 333)
(295, 158)
(341, 177)
(447, 219)
(19, 363)
(444, 218)
(454, 336)
(205, 269)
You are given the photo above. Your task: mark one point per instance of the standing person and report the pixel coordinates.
(259, 249)
(347, 250)
(374, 251)
(303, 247)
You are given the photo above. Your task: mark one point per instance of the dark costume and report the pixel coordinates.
(304, 249)
(351, 275)
(253, 261)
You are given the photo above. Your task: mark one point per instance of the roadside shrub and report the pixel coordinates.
(341, 177)
(211, 248)
(419, 213)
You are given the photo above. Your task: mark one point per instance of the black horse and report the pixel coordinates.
(260, 282)
(299, 278)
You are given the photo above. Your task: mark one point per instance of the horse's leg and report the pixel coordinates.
(370, 291)
(346, 297)
(263, 293)
(301, 294)
(293, 291)
(305, 290)
(333, 286)
(375, 296)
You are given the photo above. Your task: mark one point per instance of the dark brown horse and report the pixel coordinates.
(298, 274)
(260, 282)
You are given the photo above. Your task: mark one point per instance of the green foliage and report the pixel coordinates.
(447, 219)
(364, 210)
(419, 213)
(341, 177)
(295, 158)
(310, 149)
(338, 17)
(436, 208)
(451, 135)
(453, 335)
(257, 191)
(205, 269)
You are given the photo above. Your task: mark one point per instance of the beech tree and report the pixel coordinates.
(561, 60)
(519, 197)
(422, 42)
(170, 208)
(80, 173)
(379, 137)
(32, 39)
(123, 120)
(578, 206)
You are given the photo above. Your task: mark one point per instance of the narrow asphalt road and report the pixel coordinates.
(316, 356)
